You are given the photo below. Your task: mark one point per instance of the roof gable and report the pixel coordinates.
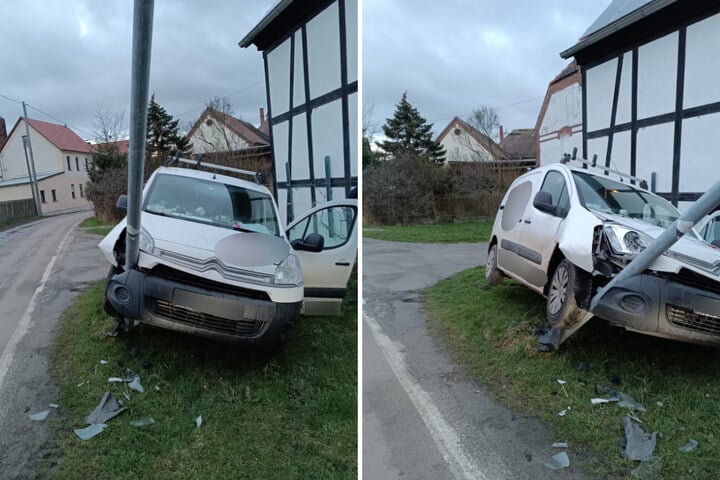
(245, 130)
(59, 135)
(486, 142)
(520, 143)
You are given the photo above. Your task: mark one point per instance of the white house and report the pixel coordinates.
(311, 69)
(61, 162)
(651, 94)
(559, 125)
(464, 143)
(216, 131)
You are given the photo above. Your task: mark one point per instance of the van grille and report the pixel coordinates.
(178, 276)
(204, 321)
(692, 320)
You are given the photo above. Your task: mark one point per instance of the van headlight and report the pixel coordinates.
(288, 271)
(147, 244)
(626, 241)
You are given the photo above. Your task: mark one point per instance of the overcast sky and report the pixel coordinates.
(456, 55)
(66, 57)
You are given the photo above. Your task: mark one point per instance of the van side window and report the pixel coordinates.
(555, 185)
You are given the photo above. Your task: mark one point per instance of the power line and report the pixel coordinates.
(58, 120)
(10, 99)
(227, 95)
(534, 99)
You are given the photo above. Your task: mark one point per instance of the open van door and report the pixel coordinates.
(326, 267)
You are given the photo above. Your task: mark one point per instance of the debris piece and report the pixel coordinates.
(690, 446)
(548, 338)
(115, 331)
(115, 380)
(561, 382)
(583, 366)
(558, 461)
(157, 388)
(560, 445)
(89, 432)
(659, 404)
(598, 401)
(627, 401)
(142, 423)
(136, 385)
(634, 417)
(125, 394)
(648, 469)
(107, 408)
(39, 416)
(82, 383)
(103, 362)
(54, 405)
(639, 445)
(562, 413)
(198, 421)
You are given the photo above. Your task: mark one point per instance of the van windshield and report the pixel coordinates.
(212, 203)
(609, 196)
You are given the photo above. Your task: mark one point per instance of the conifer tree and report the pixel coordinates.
(163, 139)
(408, 133)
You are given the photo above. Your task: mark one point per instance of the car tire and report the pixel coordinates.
(568, 295)
(493, 276)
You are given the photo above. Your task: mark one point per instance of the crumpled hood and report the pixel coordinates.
(202, 242)
(694, 253)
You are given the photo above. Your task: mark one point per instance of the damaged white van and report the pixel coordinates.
(216, 261)
(565, 231)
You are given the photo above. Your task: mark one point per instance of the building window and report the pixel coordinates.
(72, 190)
(69, 166)
(81, 191)
(54, 195)
(42, 196)
(77, 164)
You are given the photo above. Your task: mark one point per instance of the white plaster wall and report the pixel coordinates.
(353, 125)
(551, 151)
(278, 65)
(61, 184)
(17, 192)
(351, 33)
(564, 110)
(299, 71)
(655, 154)
(463, 147)
(221, 138)
(47, 157)
(300, 155)
(600, 86)
(280, 149)
(657, 76)
(327, 128)
(323, 36)
(700, 165)
(597, 146)
(702, 63)
(620, 155)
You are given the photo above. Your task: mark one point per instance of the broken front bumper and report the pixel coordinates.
(666, 307)
(193, 305)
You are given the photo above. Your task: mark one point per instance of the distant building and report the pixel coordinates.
(310, 50)
(464, 143)
(215, 131)
(61, 163)
(519, 146)
(651, 94)
(559, 125)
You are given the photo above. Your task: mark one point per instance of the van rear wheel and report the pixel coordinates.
(493, 276)
(568, 295)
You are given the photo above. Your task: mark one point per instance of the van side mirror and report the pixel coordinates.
(314, 242)
(543, 202)
(121, 204)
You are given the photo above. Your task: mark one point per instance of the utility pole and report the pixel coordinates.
(140, 85)
(33, 177)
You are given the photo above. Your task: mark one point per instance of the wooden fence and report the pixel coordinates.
(17, 209)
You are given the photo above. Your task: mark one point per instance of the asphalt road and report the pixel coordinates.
(43, 265)
(423, 417)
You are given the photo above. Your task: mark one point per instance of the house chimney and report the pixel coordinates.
(263, 122)
(502, 134)
(3, 132)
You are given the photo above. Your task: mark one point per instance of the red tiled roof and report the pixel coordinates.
(122, 145)
(520, 143)
(245, 130)
(60, 136)
(571, 68)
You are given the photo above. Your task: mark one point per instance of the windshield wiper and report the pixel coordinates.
(155, 212)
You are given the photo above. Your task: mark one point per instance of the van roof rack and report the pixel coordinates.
(172, 160)
(567, 158)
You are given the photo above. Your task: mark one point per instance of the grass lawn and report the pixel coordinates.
(490, 330)
(434, 233)
(5, 224)
(289, 415)
(93, 225)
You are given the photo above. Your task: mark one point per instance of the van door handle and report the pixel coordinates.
(342, 264)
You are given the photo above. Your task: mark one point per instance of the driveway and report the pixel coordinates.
(423, 417)
(43, 265)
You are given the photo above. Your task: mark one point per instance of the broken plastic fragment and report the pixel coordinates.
(548, 338)
(53, 405)
(639, 445)
(690, 446)
(560, 445)
(598, 401)
(627, 401)
(81, 383)
(198, 421)
(142, 423)
(125, 394)
(558, 461)
(103, 362)
(115, 380)
(648, 469)
(562, 413)
(107, 408)
(157, 388)
(39, 416)
(561, 382)
(135, 384)
(89, 432)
